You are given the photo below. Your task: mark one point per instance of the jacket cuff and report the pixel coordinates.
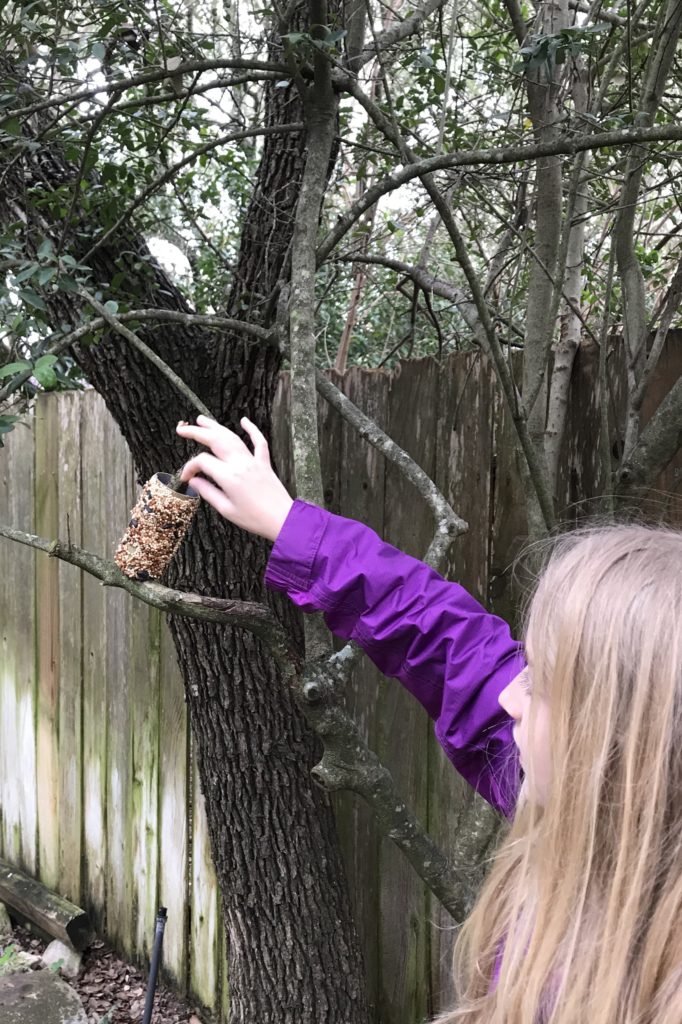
(294, 552)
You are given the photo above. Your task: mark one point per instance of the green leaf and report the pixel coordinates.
(46, 360)
(67, 284)
(46, 274)
(12, 126)
(46, 248)
(27, 272)
(9, 369)
(5, 428)
(46, 376)
(111, 307)
(32, 299)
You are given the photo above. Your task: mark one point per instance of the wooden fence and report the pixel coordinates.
(99, 795)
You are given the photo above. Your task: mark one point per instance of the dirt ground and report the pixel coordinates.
(112, 990)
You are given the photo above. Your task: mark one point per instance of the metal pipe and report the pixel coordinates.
(154, 966)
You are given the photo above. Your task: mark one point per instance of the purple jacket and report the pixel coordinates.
(444, 647)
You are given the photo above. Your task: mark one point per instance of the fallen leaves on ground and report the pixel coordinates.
(114, 991)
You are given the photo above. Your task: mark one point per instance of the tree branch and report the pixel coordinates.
(215, 323)
(428, 282)
(486, 334)
(501, 156)
(149, 353)
(256, 618)
(144, 78)
(348, 763)
(398, 32)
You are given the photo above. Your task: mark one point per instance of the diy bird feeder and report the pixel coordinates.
(157, 526)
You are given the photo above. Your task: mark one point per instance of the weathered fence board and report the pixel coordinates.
(361, 488)
(120, 688)
(98, 790)
(205, 912)
(94, 468)
(144, 700)
(402, 727)
(70, 651)
(173, 830)
(17, 675)
(47, 612)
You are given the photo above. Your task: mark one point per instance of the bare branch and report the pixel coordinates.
(420, 275)
(146, 351)
(486, 335)
(256, 618)
(215, 323)
(501, 156)
(398, 32)
(193, 90)
(656, 74)
(348, 763)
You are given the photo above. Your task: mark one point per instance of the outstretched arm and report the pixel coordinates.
(445, 648)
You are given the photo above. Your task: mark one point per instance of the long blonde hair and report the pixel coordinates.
(581, 916)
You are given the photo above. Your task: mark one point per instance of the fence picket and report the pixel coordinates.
(403, 728)
(120, 892)
(94, 469)
(173, 812)
(70, 649)
(204, 910)
(18, 794)
(47, 612)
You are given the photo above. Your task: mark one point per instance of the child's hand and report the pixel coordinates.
(242, 486)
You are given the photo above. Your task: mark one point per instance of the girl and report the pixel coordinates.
(580, 921)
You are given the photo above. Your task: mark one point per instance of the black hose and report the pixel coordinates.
(154, 966)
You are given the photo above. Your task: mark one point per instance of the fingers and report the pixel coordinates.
(203, 463)
(212, 494)
(219, 439)
(260, 445)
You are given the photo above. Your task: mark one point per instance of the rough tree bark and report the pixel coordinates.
(293, 954)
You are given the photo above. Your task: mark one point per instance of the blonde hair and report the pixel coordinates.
(582, 913)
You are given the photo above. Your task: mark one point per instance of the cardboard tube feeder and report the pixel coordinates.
(157, 526)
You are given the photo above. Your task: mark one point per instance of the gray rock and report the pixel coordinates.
(68, 959)
(39, 997)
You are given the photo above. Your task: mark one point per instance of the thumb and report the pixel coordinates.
(261, 450)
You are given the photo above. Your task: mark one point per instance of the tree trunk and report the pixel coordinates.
(293, 954)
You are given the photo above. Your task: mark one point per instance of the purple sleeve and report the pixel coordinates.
(446, 649)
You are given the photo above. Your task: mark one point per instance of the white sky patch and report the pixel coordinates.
(172, 260)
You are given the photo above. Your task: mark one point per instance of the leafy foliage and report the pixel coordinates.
(144, 154)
